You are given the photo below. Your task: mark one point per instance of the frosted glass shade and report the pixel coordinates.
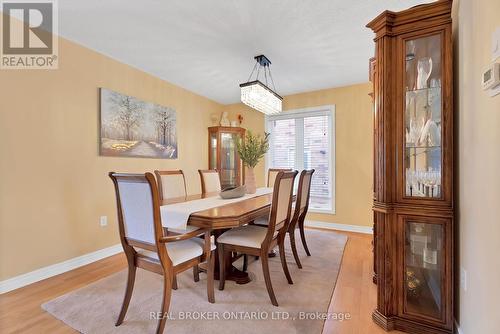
(258, 96)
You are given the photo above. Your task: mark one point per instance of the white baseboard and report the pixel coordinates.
(56, 269)
(339, 227)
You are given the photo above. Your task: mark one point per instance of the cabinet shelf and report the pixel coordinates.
(423, 89)
(421, 265)
(428, 147)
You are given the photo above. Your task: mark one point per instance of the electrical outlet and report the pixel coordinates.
(463, 279)
(103, 221)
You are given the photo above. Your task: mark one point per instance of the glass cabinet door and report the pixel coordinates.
(213, 150)
(424, 259)
(229, 160)
(423, 117)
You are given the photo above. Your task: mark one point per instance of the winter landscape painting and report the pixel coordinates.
(134, 128)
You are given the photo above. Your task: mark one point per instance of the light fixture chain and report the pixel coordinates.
(272, 81)
(252, 72)
(265, 74)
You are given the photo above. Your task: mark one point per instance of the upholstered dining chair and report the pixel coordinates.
(299, 214)
(145, 244)
(210, 180)
(172, 184)
(300, 208)
(257, 241)
(272, 173)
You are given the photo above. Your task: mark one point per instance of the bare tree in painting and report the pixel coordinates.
(128, 113)
(165, 120)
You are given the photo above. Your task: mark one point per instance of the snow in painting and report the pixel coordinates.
(134, 128)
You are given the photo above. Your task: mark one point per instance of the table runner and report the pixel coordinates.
(176, 216)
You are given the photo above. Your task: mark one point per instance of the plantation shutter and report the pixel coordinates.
(316, 147)
(304, 140)
(283, 143)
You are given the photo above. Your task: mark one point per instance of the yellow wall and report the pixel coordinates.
(53, 183)
(354, 138)
(478, 122)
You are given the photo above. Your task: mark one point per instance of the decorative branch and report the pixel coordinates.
(253, 148)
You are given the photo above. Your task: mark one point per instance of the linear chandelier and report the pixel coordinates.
(258, 95)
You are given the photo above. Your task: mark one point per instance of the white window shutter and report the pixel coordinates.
(304, 140)
(283, 143)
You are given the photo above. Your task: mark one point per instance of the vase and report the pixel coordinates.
(250, 181)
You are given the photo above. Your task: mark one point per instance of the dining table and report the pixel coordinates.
(226, 216)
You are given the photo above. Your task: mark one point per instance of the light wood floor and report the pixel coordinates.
(355, 294)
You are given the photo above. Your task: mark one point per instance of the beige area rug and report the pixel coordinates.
(237, 309)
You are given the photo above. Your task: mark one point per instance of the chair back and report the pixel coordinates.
(281, 203)
(210, 181)
(272, 173)
(139, 219)
(171, 183)
(303, 192)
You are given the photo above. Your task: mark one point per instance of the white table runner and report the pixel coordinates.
(176, 216)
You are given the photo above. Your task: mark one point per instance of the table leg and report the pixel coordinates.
(232, 273)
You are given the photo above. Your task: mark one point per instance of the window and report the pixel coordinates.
(304, 139)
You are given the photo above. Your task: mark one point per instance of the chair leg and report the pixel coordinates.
(174, 282)
(196, 273)
(222, 267)
(210, 278)
(303, 237)
(128, 293)
(165, 304)
(283, 259)
(294, 248)
(267, 278)
(245, 262)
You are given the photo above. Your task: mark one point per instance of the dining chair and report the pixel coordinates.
(210, 180)
(146, 246)
(300, 212)
(172, 184)
(257, 241)
(272, 173)
(300, 208)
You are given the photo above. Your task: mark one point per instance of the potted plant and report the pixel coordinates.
(251, 150)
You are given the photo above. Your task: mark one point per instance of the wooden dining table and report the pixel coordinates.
(222, 218)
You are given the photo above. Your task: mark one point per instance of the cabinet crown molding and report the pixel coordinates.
(390, 23)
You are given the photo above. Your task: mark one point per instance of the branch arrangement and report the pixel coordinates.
(253, 148)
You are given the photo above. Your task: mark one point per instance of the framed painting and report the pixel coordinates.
(131, 127)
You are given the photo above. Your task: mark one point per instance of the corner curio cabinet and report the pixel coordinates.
(413, 169)
(223, 155)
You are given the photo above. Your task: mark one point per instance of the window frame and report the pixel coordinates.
(326, 110)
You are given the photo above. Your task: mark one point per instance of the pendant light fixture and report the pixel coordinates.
(258, 95)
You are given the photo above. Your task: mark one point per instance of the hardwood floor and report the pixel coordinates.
(355, 294)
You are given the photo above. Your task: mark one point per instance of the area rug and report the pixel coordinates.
(246, 308)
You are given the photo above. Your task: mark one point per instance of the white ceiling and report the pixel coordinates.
(207, 46)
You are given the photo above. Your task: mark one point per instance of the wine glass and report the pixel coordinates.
(432, 180)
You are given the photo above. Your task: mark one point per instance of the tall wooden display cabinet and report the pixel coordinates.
(413, 178)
